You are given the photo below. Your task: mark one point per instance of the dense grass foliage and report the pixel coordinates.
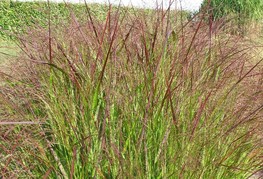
(246, 9)
(16, 17)
(140, 95)
(244, 12)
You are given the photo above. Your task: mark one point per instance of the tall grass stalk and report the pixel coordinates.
(131, 97)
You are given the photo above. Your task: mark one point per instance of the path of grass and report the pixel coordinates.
(7, 49)
(8, 52)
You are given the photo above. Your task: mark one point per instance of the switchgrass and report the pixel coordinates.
(131, 97)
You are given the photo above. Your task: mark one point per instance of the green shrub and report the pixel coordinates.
(244, 12)
(247, 9)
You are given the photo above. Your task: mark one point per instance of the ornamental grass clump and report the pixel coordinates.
(130, 97)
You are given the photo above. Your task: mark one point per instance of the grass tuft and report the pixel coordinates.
(140, 95)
